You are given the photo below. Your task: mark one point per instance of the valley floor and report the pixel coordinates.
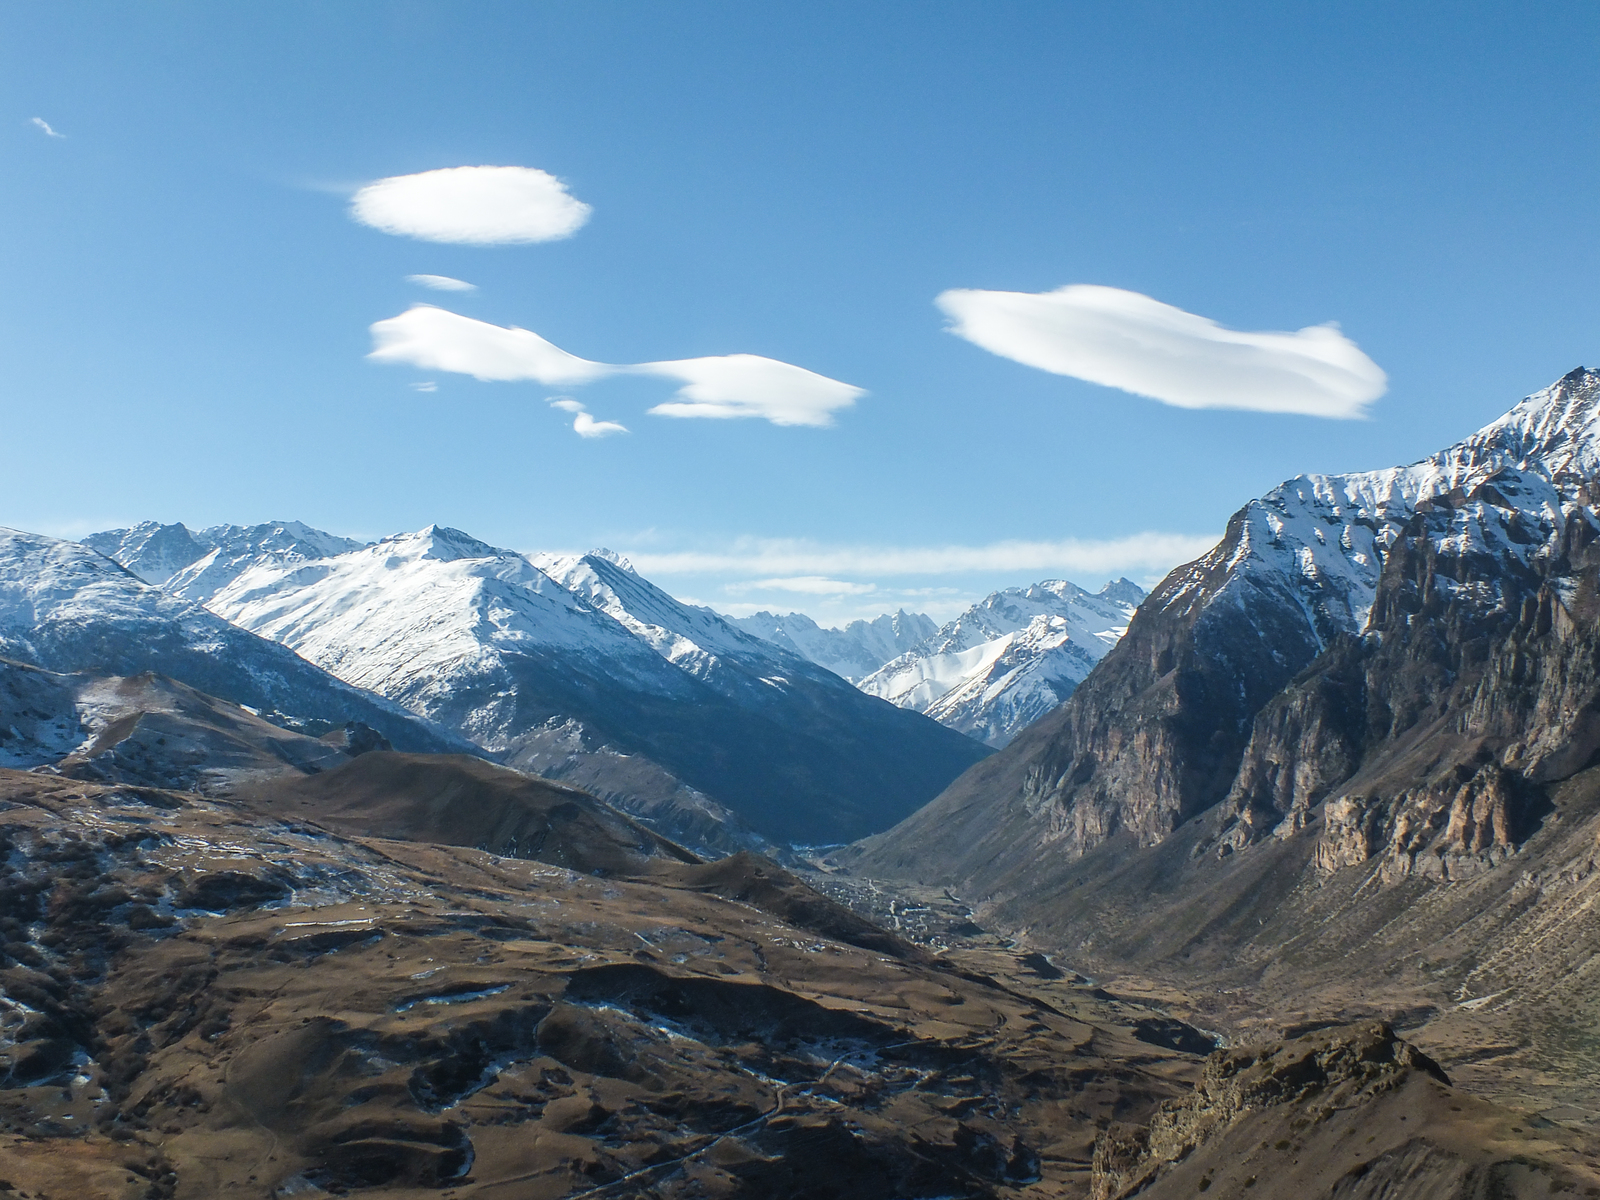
(1530, 1053)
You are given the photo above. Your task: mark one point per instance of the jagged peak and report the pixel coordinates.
(612, 557)
(1557, 427)
(1123, 591)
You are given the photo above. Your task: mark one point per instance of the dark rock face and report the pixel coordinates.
(1428, 741)
(1410, 820)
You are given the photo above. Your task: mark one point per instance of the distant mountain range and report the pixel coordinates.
(855, 651)
(1008, 659)
(576, 668)
(999, 666)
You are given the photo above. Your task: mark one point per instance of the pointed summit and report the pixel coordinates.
(612, 557)
(443, 543)
(1556, 430)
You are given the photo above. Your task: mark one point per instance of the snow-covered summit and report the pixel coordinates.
(152, 551)
(1503, 495)
(611, 556)
(425, 617)
(693, 638)
(1008, 659)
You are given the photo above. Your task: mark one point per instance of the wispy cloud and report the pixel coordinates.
(1129, 341)
(811, 585)
(753, 558)
(442, 283)
(45, 125)
(425, 385)
(480, 206)
(733, 385)
(583, 424)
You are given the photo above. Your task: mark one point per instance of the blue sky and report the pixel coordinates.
(188, 301)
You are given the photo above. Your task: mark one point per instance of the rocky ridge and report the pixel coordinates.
(1282, 1120)
(195, 564)
(1407, 827)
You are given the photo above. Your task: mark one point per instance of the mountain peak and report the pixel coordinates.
(1558, 425)
(612, 557)
(1123, 591)
(152, 551)
(443, 543)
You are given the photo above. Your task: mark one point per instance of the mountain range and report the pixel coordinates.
(1008, 659)
(274, 926)
(997, 667)
(69, 609)
(578, 669)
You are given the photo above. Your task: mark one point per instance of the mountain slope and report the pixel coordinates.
(484, 641)
(152, 731)
(1008, 659)
(69, 609)
(854, 652)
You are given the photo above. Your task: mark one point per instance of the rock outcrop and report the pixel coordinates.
(1326, 1070)
(1346, 1112)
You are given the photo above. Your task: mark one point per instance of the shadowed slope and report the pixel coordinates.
(455, 800)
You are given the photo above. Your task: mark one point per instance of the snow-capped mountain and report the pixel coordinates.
(196, 564)
(854, 652)
(152, 551)
(450, 627)
(1008, 659)
(485, 642)
(68, 608)
(1427, 629)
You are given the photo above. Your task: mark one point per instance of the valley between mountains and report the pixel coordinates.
(426, 867)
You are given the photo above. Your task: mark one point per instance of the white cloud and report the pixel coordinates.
(45, 125)
(437, 340)
(734, 385)
(1129, 341)
(480, 206)
(1140, 553)
(582, 423)
(442, 283)
(747, 385)
(586, 426)
(811, 585)
(426, 385)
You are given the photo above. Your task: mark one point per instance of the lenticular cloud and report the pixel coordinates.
(726, 386)
(1129, 341)
(480, 206)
